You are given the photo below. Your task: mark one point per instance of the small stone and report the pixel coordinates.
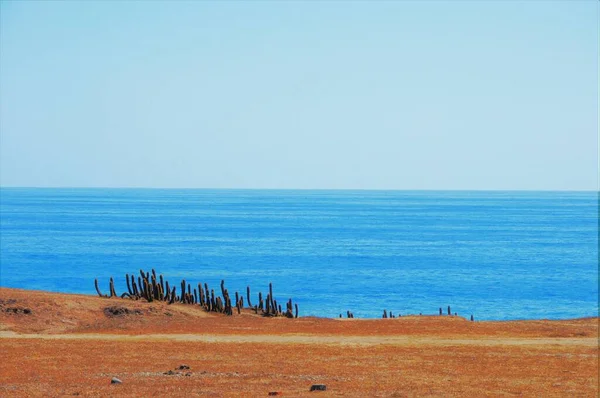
(183, 367)
(318, 387)
(114, 380)
(274, 393)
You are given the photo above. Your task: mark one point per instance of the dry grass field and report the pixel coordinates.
(72, 345)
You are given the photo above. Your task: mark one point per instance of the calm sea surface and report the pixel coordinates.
(496, 255)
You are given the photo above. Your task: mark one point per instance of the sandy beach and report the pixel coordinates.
(68, 345)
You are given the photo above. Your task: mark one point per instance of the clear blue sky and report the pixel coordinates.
(369, 95)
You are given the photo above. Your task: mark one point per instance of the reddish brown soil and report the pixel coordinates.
(72, 345)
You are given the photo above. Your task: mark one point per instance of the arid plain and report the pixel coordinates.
(67, 345)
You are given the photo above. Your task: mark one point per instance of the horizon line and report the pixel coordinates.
(305, 189)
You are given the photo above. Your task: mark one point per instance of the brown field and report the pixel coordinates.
(66, 345)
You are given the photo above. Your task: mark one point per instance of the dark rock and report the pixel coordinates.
(18, 310)
(117, 310)
(183, 367)
(114, 380)
(318, 387)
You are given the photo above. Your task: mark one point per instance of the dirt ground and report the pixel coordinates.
(68, 345)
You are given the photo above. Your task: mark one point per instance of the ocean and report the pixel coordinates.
(496, 255)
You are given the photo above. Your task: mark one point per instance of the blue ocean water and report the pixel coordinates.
(496, 255)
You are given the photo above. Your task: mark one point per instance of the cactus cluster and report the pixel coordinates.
(150, 287)
(441, 312)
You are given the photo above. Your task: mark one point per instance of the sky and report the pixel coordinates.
(499, 95)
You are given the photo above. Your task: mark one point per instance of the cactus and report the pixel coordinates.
(449, 312)
(183, 290)
(98, 289)
(201, 294)
(385, 314)
(260, 301)
(141, 288)
(207, 296)
(273, 306)
(128, 285)
(173, 295)
(288, 311)
(223, 287)
(149, 293)
(296, 308)
(155, 294)
(167, 294)
(248, 296)
(113, 293)
(440, 310)
(472, 319)
(134, 287)
(268, 305)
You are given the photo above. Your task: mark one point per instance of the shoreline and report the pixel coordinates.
(91, 295)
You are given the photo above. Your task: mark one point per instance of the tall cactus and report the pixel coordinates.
(213, 302)
(272, 304)
(248, 296)
(183, 290)
(113, 293)
(207, 296)
(98, 289)
(223, 288)
(173, 295)
(201, 294)
(134, 287)
(128, 285)
(268, 305)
